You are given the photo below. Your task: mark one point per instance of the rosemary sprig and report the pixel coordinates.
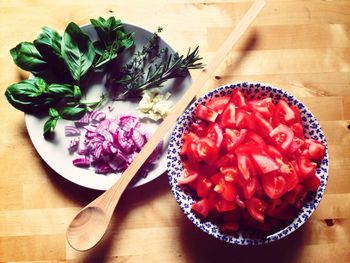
(150, 68)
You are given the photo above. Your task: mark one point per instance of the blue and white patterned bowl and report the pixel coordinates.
(185, 199)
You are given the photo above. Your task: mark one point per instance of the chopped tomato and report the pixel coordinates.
(245, 165)
(296, 196)
(229, 193)
(262, 124)
(250, 186)
(201, 207)
(228, 117)
(247, 160)
(207, 151)
(230, 173)
(298, 130)
(233, 138)
(188, 138)
(274, 185)
(204, 113)
(215, 133)
(288, 171)
(306, 167)
(273, 152)
(245, 120)
(283, 113)
(316, 150)
(199, 127)
(280, 210)
(297, 113)
(226, 160)
(223, 205)
(254, 138)
(238, 99)
(296, 144)
(203, 186)
(256, 208)
(187, 177)
(282, 136)
(264, 107)
(312, 183)
(218, 104)
(264, 162)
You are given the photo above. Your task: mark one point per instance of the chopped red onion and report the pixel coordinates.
(111, 145)
(83, 121)
(97, 116)
(71, 131)
(73, 144)
(81, 162)
(138, 139)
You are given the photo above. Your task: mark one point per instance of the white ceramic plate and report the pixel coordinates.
(55, 152)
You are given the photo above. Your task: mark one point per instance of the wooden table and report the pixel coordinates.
(302, 46)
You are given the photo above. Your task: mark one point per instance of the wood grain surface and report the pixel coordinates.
(301, 46)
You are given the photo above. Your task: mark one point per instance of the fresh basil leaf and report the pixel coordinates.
(53, 113)
(48, 43)
(112, 40)
(76, 92)
(27, 57)
(77, 51)
(51, 123)
(73, 113)
(49, 39)
(60, 90)
(107, 29)
(29, 95)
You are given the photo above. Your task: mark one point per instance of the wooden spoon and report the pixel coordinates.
(89, 225)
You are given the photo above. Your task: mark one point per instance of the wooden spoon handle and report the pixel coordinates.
(190, 94)
(109, 199)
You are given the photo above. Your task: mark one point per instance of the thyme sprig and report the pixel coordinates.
(150, 68)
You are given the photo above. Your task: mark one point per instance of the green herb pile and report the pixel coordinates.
(60, 64)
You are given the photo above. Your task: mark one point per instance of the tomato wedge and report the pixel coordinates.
(283, 113)
(204, 113)
(233, 138)
(238, 99)
(264, 107)
(218, 104)
(187, 177)
(226, 160)
(289, 172)
(254, 138)
(201, 207)
(230, 173)
(262, 124)
(256, 208)
(207, 150)
(199, 127)
(298, 130)
(228, 117)
(245, 165)
(296, 144)
(203, 186)
(282, 136)
(274, 185)
(215, 133)
(245, 120)
(306, 167)
(316, 150)
(264, 162)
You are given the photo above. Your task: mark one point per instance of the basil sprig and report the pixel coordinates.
(59, 64)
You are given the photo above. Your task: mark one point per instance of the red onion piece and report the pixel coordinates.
(71, 131)
(81, 162)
